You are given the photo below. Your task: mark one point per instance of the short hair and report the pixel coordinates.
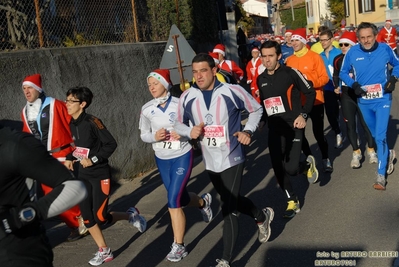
(83, 94)
(270, 44)
(201, 57)
(328, 33)
(367, 25)
(322, 28)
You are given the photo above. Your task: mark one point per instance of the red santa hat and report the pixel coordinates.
(388, 21)
(277, 37)
(215, 57)
(219, 48)
(255, 49)
(35, 81)
(299, 34)
(163, 76)
(348, 37)
(288, 32)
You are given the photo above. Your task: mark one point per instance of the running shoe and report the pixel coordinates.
(83, 231)
(264, 228)
(136, 219)
(312, 173)
(380, 182)
(339, 140)
(356, 157)
(101, 256)
(372, 156)
(207, 210)
(222, 263)
(293, 208)
(74, 235)
(392, 157)
(177, 253)
(327, 165)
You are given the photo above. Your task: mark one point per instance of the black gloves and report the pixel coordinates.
(357, 88)
(390, 85)
(16, 218)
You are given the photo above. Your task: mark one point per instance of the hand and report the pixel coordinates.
(299, 122)
(337, 90)
(197, 131)
(249, 81)
(174, 135)
(358, 89)
(69, 165)
(390, 85)
(161, 134)
(257, 93)
(86, 163)
(243, 138)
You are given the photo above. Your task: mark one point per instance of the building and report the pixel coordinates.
(260, 12)
(374, 11)
(316, 12)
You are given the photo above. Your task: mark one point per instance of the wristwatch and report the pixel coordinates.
(304, 115)
(248, 132)
(27, 214)
(94, 159)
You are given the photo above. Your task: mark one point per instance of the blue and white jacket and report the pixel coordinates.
(369, 67)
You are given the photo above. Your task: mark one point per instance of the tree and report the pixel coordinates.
(337, 10)
(299, 14)
(242, 19)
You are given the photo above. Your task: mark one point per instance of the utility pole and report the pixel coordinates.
(292, 11)
(39, 23)
(136, 32)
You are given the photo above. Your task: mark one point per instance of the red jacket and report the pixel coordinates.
(252, 73)
(389, 37)
(59, 141)
(231, 67)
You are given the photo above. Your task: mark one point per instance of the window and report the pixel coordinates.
(366, 6)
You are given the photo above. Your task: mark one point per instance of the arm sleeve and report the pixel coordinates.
(182, 121)
(345, 69)
(306, 88)
(108, 142)
(337, 66)
(66, 192)
(145, 128)
(323, 77)
(237, 70)
(248, 70)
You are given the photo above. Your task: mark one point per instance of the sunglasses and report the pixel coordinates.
(345, 44)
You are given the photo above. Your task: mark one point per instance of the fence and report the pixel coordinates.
(29, 24)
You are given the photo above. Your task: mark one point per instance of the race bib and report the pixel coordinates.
(374, 91)
(170, 143)
(214, 135)
(81, 153)
(274, 105)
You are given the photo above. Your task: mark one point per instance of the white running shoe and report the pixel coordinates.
(101, 256)
(339, 140)
(206, 211)
(372, 156)
(356, 157)
(177, 253)
(392, 157)
(136, 219)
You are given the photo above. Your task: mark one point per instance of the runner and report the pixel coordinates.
(286, 119)
(350, 109)
(174, 158)
(23, 240)
(374, 87)
(211, 111)
(94, 145)
(47, 119)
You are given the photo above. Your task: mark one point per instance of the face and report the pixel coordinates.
(204, 76)
(270, 58)
(221, 57)
(325, 41)
(156, 88)
(31, 94)
(388, 25)
(366, 38)
(297, 45)
(74, 107)
(344, 47)
(288, 38)
(255, 54)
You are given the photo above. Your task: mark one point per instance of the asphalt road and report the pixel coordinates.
(342, 217)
